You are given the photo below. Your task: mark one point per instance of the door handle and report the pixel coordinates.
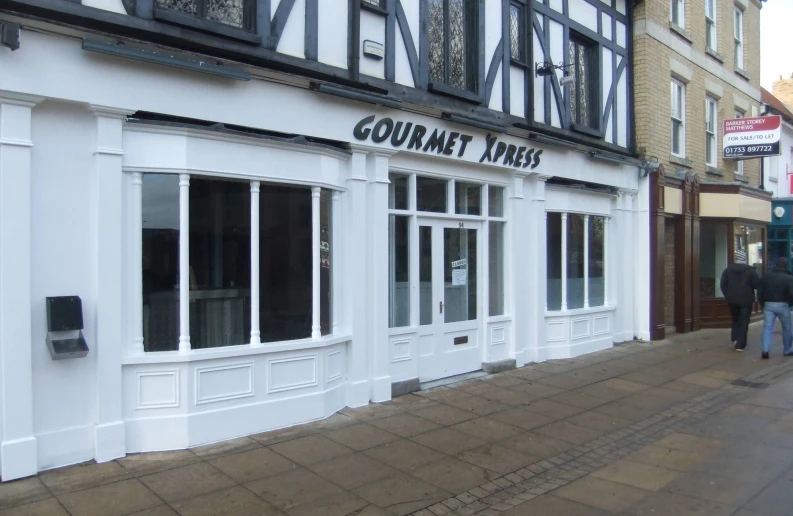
(440, 305)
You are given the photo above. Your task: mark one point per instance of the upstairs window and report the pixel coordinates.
(678, 119)
(738, 37)
(711, 42)
(677, 13)
(232, 13)
(711, 117)
(453, 43)
(517, 33)
(583, 94)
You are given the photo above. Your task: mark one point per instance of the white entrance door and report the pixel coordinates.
(449, 298)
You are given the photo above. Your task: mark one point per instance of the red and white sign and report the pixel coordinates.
(756, 137)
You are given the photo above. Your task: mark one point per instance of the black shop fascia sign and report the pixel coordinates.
(416, 137)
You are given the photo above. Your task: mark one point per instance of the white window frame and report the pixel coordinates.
(737, 34)
(677, 7)
(711, 33)
(711, 131)
(739, 162)
(680, 89)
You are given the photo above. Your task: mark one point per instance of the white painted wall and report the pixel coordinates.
(293, 39)
(372, 28)
(332, 15)
(779, 169)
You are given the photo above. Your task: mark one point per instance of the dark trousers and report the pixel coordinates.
(740, 324)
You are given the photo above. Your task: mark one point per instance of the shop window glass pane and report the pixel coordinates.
(554, 261)
(495, 201)
(496, 280)
(431, 194)
(596, 263)
(778, 249)
(425, 275)
(467, 198)
(749, 241)
(398, 192)
(285, 255)
(459, 274)
(160, 262)
(326, 261)
(220, 266)
(712, 258)
(399, 272)
(575, 261)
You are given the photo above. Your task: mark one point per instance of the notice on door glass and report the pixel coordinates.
(459, 277)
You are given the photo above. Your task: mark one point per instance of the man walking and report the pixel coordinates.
(775, 294)
(738, 283)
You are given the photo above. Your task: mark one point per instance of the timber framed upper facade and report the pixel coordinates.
(474, 58)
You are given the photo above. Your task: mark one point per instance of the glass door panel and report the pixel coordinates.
(425, 275)
(459, 274)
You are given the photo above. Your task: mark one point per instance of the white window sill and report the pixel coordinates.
(162, 357)
(580, 311)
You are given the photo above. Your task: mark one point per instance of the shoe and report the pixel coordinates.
(764, 355)
(739, 349)
(788, 354)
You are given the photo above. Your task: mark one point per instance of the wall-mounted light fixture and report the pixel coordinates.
(548, 68)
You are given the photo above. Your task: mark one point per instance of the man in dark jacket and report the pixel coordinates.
(776, 295)
(738, 283)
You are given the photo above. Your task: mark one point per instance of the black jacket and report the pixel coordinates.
(776, 287)
(738, 283)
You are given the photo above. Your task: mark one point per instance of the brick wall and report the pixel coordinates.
(783, 90)
(653, 74)
(669, 275)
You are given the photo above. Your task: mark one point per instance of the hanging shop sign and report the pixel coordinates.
(417, 137)
(756, 137)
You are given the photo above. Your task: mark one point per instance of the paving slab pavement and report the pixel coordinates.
(685, 426)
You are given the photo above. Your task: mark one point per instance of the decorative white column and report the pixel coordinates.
(377, 276)
(355, 293)
(335, 260)
(316, 327)
(18, 451)
(110, 437)
(564, 261)
(537, 299)
(255, 289)
(184, 263)
(520, 262)
(606, 261)
(135, 261)
(586, 261)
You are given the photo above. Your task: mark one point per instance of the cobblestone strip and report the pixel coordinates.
(546, 475)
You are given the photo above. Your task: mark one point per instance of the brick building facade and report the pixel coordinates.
(697, 63)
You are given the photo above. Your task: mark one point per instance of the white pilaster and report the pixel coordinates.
(355, 294)
(606, 260)
(520, 262)
(335, 259)
(316, 328)
(18, 454)
(135, 261)
(642, 290)
(631, 240)
(184, 263)
(564, 261)
(255, 289)
(586, 261)
(110, 437)
(377, 172)
(537, 230)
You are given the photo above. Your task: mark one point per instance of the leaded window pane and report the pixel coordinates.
(580, 58)
(571, 55)
(372, 2)
(436, 41)
(184, 6)
(583, 84)
(457, 44)
(229, 12)
(516, 46)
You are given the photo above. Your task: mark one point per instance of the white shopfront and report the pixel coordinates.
(269, 272)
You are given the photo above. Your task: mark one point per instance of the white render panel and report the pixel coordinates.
(492, 30)
(293, 39)
(557, 56)
(372, 28)
(620, 6)
(539, 82)
(286, 374)
(115, 6)
(517, 91)
(621, 34)
(584, 13)
(606, 25)
(496, 97)
(607, 61)
(402, 73)
(158, 389)
(622, 112)
(556, 5)
(332, 41)
(222, 383)
(413, 16)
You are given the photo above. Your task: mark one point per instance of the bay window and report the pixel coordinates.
(576, 260)
(230, 262)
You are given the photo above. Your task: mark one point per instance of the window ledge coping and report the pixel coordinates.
(373, 8)
(741, 177)
(170, 357)
(450, 91)
(713, 171)
(209, 26)
(580, 311)
(742, 74)
(680, 31)
(589, 131)
(715, 55)
(683, 162)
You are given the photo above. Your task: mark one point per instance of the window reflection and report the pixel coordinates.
(575, 261)
(554, 261)
(496, 268)
(399, 272)
(713, 257)
(431, 194)
(467, 198)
